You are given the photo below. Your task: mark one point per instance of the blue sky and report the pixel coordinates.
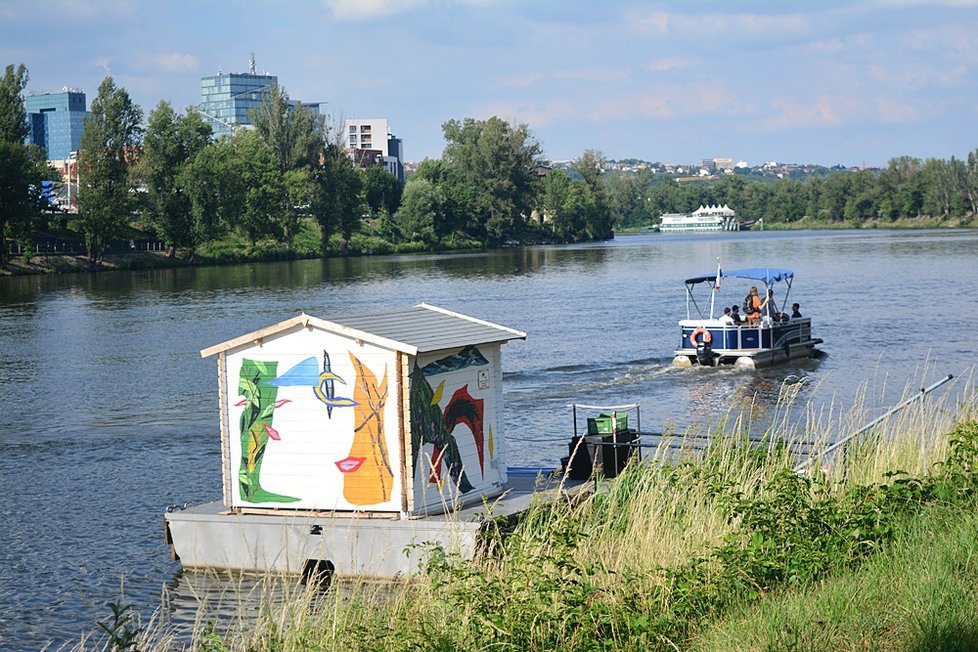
(825, 82)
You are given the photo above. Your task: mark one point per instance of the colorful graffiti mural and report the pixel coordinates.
(256, 428)
(368, 478)
(431, 425)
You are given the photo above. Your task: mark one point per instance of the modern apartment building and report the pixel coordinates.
(56, 122)
(370, 142)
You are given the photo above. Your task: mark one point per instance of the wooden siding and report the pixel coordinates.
(302, 460)
(435, 490)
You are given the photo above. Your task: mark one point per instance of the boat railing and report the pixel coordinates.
(749, 336)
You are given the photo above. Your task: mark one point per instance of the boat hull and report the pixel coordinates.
(749, 346)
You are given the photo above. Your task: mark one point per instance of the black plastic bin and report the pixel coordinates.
(614, 458)
(579, 462)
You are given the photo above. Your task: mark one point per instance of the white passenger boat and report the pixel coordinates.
(708, 341)
(709, 218)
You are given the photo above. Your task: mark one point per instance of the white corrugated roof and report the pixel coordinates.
(419, 329)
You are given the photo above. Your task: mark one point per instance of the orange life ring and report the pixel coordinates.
(707, 337)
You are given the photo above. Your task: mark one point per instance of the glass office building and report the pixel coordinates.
(225, 99)
(56, 122)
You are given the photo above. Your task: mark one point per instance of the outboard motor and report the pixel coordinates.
(705, 355)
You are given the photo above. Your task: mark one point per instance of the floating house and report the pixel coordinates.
(346, 442)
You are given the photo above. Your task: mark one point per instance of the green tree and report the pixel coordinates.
(597, 216)
(579, 213)
(499, 163)
(170, 144)
(971, 182)
(290, 130)
(421, 215)
(787, 202)
(22, 169)
(942, 180)
(902, 184)
(108, 146)
(337, 205)
(213, 182)
(265, 195)
(458, 213)
(556, 186)
(381, 190)
(13, 114)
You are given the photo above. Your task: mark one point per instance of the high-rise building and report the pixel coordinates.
(56, 122)
(226, 98)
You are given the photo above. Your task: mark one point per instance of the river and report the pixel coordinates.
(109, 414)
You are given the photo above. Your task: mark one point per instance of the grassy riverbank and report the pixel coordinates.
(306, 246)
(146, 253)
(729, 550)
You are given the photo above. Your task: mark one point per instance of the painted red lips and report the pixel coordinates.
(350, 464)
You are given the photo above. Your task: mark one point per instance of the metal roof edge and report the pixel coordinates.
(308, 320)
(516, 334)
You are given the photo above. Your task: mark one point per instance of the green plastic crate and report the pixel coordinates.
(602, 424)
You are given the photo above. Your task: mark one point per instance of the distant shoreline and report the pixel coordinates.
(75, 263)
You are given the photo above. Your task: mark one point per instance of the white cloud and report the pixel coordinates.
(367, 9)
(671, 63)
(657, 103)
(518, 81)
(594, 73)
(790, 113)
(894, 112)
(168, 62)
(661, 22)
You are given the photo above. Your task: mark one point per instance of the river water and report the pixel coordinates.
(108, 413)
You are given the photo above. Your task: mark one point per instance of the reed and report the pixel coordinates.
(657, 557)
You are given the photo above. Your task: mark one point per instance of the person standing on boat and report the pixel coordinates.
(795, 311)
(770, 307)
(753, 306)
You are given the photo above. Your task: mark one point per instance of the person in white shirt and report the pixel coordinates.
(727, 320)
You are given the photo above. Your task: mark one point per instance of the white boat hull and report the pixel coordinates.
(749, 346)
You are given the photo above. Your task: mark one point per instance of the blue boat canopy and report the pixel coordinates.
(766, 275)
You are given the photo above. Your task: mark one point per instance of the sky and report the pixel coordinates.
(824, 82)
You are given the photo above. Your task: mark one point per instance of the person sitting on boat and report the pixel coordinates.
(795, 311)
(726, 319)
(753, 306)
(735, 315)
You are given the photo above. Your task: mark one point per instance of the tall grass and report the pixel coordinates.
(666, 554)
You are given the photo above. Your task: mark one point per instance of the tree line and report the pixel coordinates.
(286, 175)
(289, 175)
(908, 188)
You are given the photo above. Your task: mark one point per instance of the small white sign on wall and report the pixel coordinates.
(483, 379)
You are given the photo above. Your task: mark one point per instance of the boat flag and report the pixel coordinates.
(719, 274)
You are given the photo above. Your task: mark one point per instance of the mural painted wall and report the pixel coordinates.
(313, 420)
(456, 448)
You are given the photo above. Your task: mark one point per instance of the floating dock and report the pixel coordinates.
(210, 536)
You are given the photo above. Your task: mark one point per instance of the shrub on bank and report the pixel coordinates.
(657, 559)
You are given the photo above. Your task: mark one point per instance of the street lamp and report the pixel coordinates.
(72, 159)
